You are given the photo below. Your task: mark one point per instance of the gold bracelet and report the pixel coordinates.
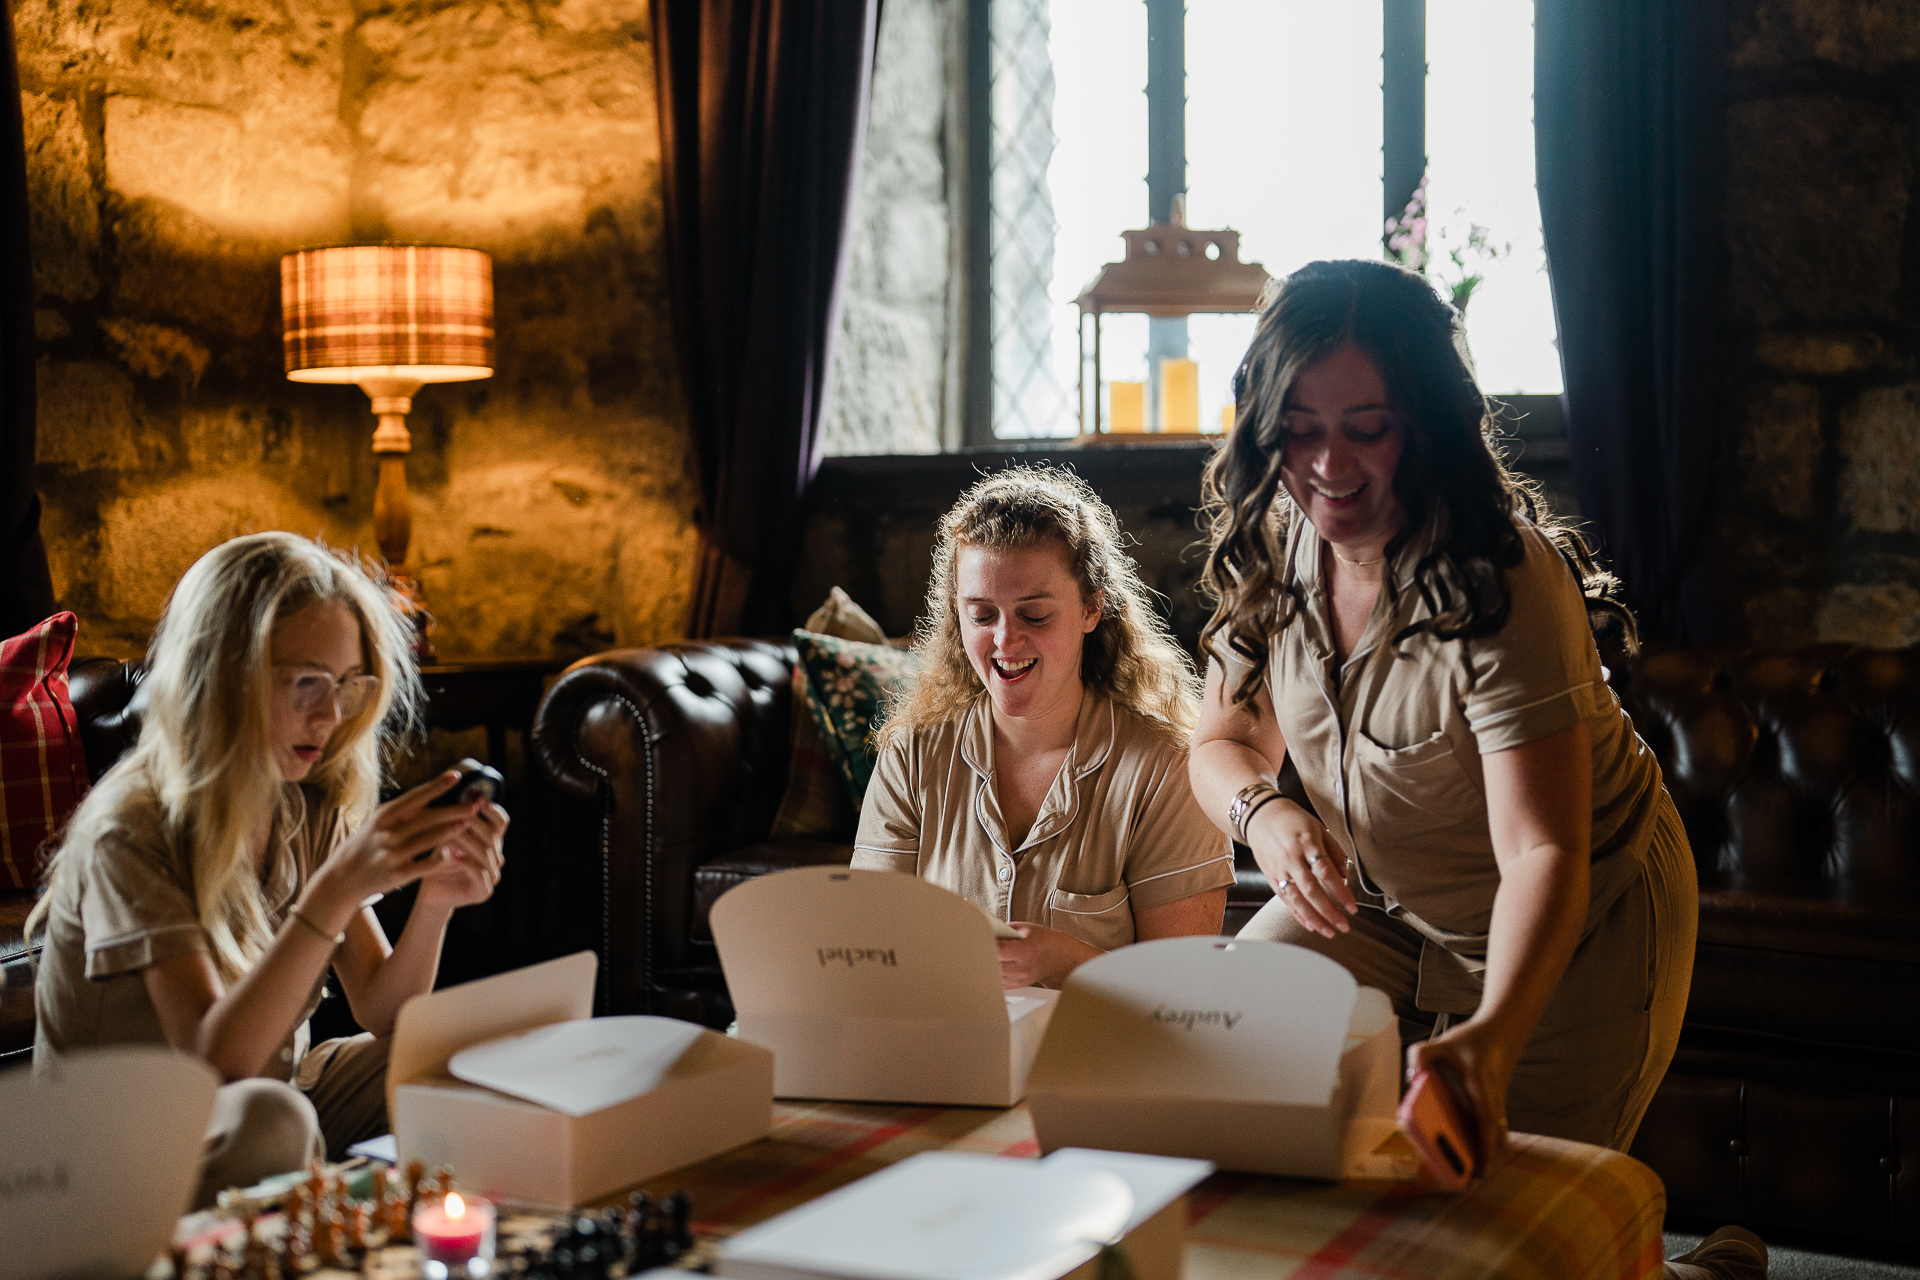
(335, 938)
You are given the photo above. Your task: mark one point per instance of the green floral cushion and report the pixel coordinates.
(846, 685)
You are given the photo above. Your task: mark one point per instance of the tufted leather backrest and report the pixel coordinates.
(107, 703)
(1797, 772)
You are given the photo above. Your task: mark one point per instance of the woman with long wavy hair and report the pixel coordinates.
(222, 867)
(1488, 842)
(1037, 766)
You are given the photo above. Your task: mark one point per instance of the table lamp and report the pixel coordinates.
(389, 318)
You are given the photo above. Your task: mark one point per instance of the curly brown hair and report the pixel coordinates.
(1129, 655)
(1450, 464)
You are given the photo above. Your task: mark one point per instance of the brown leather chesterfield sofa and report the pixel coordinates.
(1795, 1097)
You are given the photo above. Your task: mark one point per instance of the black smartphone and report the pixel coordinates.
(477, 782)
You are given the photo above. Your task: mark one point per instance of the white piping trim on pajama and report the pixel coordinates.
(1503, 713)
(1102, 911)
(1179, 871)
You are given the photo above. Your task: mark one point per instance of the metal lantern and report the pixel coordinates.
(1170, 270)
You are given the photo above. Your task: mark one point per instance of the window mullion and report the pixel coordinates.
(1403, 102)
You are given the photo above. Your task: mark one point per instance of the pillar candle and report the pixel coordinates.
(1179, 395)
(1126, 406)
(1226, 417)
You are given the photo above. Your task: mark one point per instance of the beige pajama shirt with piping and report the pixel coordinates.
(125, 902)
(1388, 745)
(1119, 831)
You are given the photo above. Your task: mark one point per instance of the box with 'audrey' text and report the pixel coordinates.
(872, 986)
(1258, 1056)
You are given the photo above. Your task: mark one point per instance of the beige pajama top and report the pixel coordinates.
(1389, 743)
(126, 901)
(1120, 830)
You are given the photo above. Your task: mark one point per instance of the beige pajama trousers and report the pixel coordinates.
(1604, 1043)
(261, 1127)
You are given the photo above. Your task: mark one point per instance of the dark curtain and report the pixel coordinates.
(26, 592)
(763, 107)
(1628, 129)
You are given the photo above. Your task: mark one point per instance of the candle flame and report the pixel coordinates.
(456, 1207)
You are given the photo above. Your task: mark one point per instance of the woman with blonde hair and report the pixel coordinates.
(207, 885)
(1038, 764)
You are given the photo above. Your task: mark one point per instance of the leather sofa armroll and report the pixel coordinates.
(680, 754)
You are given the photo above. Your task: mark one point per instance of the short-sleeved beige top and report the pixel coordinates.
(1388, 744)
(125, 900)
(1119, 830)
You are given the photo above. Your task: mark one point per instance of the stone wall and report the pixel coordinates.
(1822, 511)
(892, 390)
(176, 150)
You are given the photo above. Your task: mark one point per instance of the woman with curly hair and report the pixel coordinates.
(1489, 842)
(225, 865)
(1038, 764)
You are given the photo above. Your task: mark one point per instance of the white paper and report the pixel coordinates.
(577, 1068)
(942, 1216)
(385, 1147)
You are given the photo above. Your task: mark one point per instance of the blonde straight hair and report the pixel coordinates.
(205, 751)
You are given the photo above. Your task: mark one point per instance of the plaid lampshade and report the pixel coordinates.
(355, 312)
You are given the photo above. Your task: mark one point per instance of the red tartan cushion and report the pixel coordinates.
(43, 771)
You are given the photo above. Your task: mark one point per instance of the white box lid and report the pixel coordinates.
(838, 942)
(1201, 1017)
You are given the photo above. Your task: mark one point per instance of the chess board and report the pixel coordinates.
(351, 1220)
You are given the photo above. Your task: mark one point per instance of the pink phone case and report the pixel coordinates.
(1441, 1129)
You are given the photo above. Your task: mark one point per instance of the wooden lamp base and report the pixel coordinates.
(392, 519)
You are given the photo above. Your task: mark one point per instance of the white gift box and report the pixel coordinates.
(872, 986)
(99, 1156)
(509, 1081)
(1258, 1056)
(962, 1216)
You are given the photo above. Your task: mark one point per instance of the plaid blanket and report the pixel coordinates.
(1555, 1211)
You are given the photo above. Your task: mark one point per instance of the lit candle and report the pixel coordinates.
(1126, 406)
(455, 1236)
(1179, 395)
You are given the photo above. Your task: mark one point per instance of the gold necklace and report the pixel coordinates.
(1358, 564)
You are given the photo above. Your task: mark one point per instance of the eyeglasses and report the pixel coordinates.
(307, 690)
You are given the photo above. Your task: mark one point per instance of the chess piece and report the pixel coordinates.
(357, 1214)
(679, 1224)
(326, 1245)
(444, 1177)
(399, 1219)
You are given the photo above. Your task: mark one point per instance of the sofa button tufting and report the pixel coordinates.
(1738, 1147)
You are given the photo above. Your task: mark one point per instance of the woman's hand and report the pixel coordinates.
(403, 841)
(1307, 871)
(472, 867)
(1482, 1060)
(1043, 955)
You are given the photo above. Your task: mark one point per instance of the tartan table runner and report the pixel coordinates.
(1555, 1211)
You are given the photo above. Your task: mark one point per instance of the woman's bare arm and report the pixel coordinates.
(1540, 807)
(1234, 747)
